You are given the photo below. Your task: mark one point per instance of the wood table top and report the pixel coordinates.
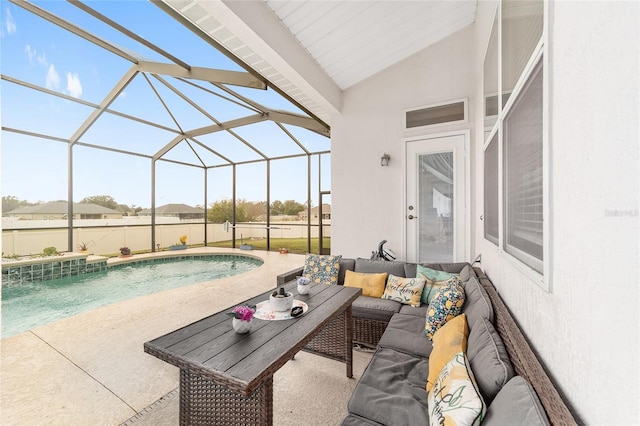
(241, 362)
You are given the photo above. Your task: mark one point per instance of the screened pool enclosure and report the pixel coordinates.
(133, 101)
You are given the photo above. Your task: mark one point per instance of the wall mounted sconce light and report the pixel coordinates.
(384, 160)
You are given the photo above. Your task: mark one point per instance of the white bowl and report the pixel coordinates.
(281, 304)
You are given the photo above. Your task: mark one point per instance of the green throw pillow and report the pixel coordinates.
(434, 280)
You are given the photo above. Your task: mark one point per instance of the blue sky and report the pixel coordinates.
(40, 53)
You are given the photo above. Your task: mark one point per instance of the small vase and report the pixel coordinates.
(241, 326)
(304, 289)
(281, 303)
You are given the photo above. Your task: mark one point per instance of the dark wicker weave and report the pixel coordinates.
(330, 341)
(368, 331)
(524, 361)
(203, 402)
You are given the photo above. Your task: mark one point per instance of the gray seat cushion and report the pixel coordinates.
(477, 304)
(374, 308)
(420, 311)
(405, 333)
(489, 359)
(392, 390)
(516, 404)
(353, 420)
(378, 266)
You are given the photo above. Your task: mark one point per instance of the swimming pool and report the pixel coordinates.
(29, 305)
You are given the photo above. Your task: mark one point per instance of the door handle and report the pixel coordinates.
(412, 216)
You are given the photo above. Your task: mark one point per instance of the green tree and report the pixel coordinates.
(221, 211)
(11, 202)
(277, 208)
(292, 207)
(101, 200)
(255, 210)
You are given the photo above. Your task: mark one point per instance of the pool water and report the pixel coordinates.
(29, 305)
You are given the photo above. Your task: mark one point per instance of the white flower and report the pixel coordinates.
(303, 281)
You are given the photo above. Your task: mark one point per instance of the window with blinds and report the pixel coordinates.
(491, 206)
(523, 178)
(514, 181)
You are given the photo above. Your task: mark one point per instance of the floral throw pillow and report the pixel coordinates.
(446, 304)
(455, 398)
(322, 268)
(404, 290)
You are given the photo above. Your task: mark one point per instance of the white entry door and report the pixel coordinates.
(435, 211)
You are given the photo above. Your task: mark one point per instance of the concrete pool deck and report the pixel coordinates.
(91, 369)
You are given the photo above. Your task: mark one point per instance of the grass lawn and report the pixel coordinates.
(295, 245)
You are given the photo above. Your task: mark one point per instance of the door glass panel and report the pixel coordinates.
(435, 192)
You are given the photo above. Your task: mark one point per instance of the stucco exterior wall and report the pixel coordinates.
(586, 328)
(367, 199)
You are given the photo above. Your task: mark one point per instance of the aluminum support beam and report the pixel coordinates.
(128, 33)
(300, 121)
(74, 29)
(235, 78)
(111, 96)
(226, 125)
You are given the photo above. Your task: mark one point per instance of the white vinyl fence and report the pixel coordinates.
(108, 239)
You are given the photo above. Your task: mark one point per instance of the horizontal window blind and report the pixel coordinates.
(491, 190)
(523, 174)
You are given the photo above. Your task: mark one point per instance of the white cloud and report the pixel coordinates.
(9, 22)
(53, 78)
(33, 55)
(74, 87)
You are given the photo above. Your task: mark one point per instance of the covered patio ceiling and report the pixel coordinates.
(183, 99)
(313, 50)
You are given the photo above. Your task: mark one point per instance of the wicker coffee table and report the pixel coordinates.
(227, 378)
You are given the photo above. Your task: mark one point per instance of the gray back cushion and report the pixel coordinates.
(516, 404)
(489, 359)
(477, 304)
(463, 269)
(345, 265)
(377, 266)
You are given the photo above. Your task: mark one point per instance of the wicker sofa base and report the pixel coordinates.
(367, 332)
(203, 402)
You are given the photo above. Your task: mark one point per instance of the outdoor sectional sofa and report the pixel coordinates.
(511, 381)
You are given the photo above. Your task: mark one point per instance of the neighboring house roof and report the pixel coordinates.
(124, 208)
(169, 209)
(326, 208)
(61, 207)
